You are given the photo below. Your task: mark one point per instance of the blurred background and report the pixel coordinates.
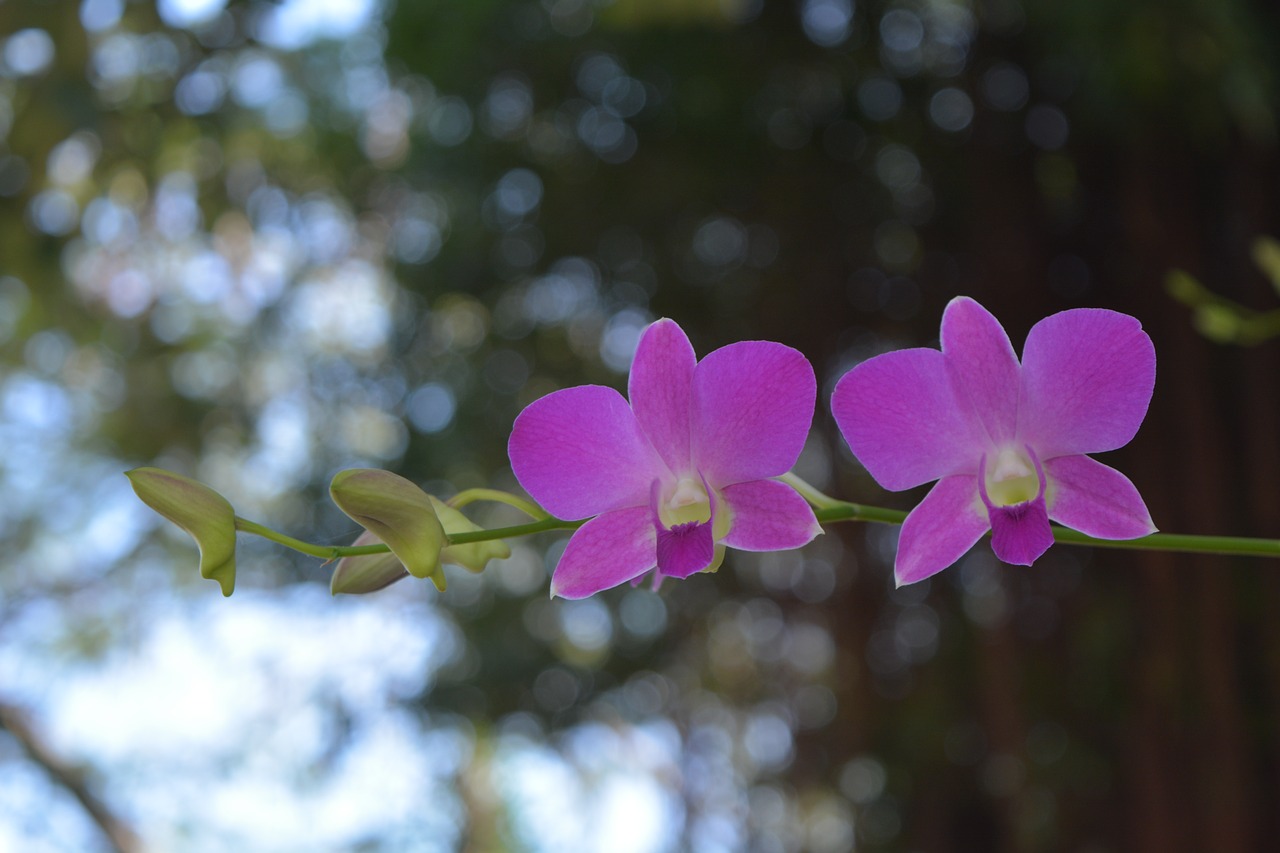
(258, 241)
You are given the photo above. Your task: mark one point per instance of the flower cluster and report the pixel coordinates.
(697, 458)
(687, 468)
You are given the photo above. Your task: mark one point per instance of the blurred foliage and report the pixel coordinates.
(1223, 320)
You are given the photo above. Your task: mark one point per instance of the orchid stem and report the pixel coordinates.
(334, 552)
(828, 509)
(825, 508)
(470, 496)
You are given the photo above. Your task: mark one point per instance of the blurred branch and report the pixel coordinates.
(119, 835)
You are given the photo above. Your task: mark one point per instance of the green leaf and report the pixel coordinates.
(200, 511)
(398, 513)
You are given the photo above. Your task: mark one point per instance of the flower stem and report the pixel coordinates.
(469, 496)
(826, 509)
(830, 510)
(334, 552)
(324, 552)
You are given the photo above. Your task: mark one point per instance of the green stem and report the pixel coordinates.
(832, 510)
(826, 509)
(334, 552)
(470, 496)
(324, 552)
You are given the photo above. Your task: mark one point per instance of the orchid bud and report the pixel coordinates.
(398, 513)
(371, 572)
(200, 511)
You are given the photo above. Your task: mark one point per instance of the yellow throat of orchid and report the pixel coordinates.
(1011, 478)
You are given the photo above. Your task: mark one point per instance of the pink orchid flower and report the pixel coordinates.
(1005, 441)
(681, 472)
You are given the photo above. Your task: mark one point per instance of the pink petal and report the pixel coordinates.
(1087, 377)
(752, 407)
(902, 420)
(940, 529)
(580, 452)
(1020, 533)
(1095, 499)
(768, 516)
(661, 391)
(982, 366)
(685, 549)
(608, 550)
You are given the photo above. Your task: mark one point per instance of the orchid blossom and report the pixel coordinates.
(1005, 441)
(678, 474)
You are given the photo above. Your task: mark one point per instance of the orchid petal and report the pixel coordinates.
(661, 391)
(608, 550)
(940, 529)
(899, 413)
(768, 516)
(580, 452)
(1087, 378)
(1020, 533)
(752, 407)
(982, 366)
(1096, 499)
(685, 549)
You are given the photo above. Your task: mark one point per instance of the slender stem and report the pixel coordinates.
(826, 509)
(816, 498)
(540, 526)
(334, 552)
(324, 552)
(469, 496)
(832, 511)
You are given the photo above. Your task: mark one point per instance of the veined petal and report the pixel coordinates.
(768, 516)
(940, 529)
(580, 452)
(610, 549)
(1020, 533)
(752, 408)
(1095, 499)
(1087, 378)
(982, 366)
(899, 413)
(661, 391)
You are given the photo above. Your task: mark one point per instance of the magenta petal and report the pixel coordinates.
(661, 391)
(1087, 377)
(685, 549)
(940, 529)
(606, 551)
(1020, 533)
(982, 366)
(901, 418)
(580, 452)
(768, 516)
(752, 408)
(1095, 499)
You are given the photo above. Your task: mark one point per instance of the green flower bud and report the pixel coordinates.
(200, 511)
(372, 572)
(472, 556)
(367, 572)
(398, 513)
